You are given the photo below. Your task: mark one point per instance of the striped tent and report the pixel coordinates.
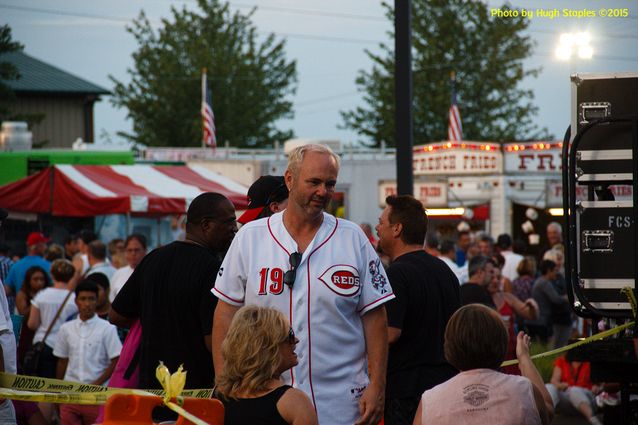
(90, 190)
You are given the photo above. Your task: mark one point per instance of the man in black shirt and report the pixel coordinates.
(481, 270)
(169, 292)
(427, 294)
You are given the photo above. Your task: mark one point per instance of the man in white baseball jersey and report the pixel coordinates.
(324, 275)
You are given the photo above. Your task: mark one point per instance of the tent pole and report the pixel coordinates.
(128, 223)
(159, 233)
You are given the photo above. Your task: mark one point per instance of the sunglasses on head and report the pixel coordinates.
(291, 275)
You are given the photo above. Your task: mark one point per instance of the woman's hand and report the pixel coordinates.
(523, 342)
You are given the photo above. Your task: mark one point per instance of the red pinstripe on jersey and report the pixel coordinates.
(312, 391)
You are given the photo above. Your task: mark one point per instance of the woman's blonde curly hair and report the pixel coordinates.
(251, 350)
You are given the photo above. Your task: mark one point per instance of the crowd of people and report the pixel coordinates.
(502, 270)
(57, 299)
(298, 317)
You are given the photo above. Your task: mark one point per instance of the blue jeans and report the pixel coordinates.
(7, 413)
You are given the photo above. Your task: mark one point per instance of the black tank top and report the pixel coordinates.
(255, 411)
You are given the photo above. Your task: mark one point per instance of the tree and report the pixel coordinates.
(8, 71)
(486, 53)
(250, 80)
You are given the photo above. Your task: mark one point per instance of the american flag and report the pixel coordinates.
(208, 118)
(454, 128)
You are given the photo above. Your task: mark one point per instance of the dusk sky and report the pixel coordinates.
(327, 38)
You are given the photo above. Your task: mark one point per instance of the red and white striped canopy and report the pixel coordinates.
(90, 190)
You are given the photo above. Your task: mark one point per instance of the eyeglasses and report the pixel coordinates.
(291, 338)
(291, 275)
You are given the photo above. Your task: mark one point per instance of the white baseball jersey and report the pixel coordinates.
(340, 278)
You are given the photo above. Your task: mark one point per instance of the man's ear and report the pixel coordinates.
(206, 225)
(274, 207)
(397, 229)
(288, 177)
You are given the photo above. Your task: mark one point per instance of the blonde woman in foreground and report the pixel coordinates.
(259, 346)
(476, 343)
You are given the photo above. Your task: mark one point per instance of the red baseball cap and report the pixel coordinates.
(35, 238)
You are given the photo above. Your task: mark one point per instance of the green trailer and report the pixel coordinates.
(17, 165)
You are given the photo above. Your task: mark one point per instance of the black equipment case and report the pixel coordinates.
(602, 244)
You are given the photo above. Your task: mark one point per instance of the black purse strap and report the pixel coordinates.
(56, 316)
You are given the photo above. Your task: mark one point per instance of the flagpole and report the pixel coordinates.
(202, 105)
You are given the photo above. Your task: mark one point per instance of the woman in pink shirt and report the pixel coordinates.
(476, 344)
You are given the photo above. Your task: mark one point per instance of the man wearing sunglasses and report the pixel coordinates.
(324, 275)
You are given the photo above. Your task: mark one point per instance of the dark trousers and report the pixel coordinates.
(400, 411)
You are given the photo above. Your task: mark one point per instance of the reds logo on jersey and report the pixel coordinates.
(342, 279)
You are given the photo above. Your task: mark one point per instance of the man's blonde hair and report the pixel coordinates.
(295, 157)
(251, 350)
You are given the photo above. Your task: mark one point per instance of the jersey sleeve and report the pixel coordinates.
(375, 289)
(230, 284)
(397, 307)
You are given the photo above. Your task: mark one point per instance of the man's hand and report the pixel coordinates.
(371, 406)
(223, 315)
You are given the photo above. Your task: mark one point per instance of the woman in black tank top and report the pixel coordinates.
(259, 346)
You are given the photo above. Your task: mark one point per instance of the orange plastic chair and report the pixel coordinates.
(124, 409)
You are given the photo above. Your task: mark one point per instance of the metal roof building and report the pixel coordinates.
(64, 100)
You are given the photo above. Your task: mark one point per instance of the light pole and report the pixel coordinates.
(403, 95)
(574, 44)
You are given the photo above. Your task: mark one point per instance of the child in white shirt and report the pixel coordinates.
(87, 349)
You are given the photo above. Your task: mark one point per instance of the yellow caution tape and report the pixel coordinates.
(173, 386)
(33, 388)
(584, 341)
(73, 398)
(628, 292)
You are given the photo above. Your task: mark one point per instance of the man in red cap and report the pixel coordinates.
(36, 246)
(267, 195)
